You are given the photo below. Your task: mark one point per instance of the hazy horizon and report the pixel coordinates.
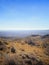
(23, 33)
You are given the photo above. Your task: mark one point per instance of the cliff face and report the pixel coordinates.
(32, 50)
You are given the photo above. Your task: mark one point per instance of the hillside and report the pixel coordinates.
(31, 50)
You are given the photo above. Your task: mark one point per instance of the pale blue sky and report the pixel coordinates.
(24, 14)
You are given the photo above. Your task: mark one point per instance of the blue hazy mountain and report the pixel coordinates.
(23, 33)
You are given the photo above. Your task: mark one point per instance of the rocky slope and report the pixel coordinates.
(32, 50)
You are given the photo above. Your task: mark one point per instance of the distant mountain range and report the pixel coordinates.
(23, 33)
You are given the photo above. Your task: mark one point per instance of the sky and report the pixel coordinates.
(24, 14)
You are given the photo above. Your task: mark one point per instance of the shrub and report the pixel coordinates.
(12, 50)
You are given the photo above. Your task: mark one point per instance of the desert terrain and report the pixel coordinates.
(31, 50)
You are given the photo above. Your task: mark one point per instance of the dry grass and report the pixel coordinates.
(24, 53)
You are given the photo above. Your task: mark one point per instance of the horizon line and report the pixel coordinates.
(14, 29)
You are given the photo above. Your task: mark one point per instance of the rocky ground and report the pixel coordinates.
(32, 50)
